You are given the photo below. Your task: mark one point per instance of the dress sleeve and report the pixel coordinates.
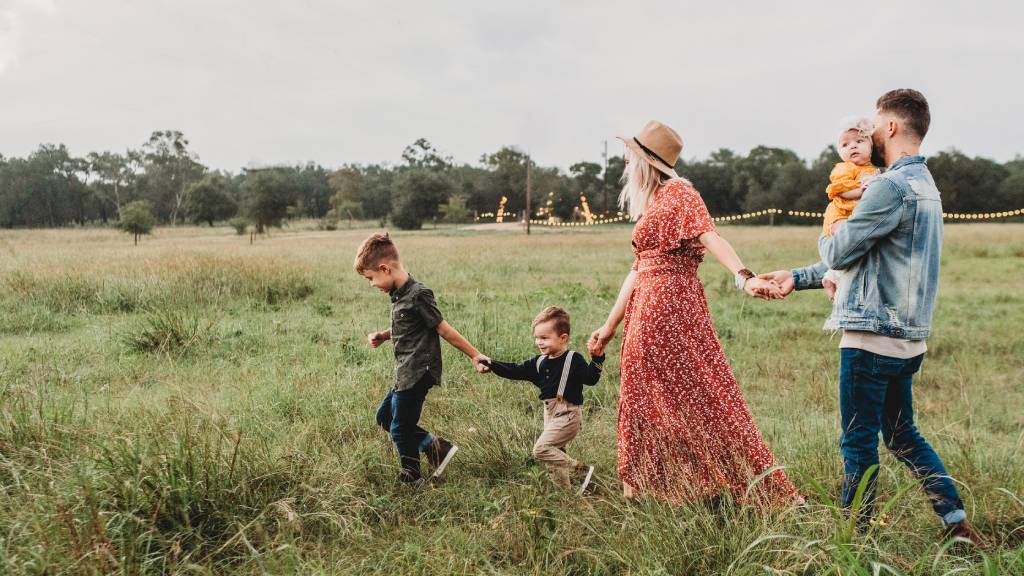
(688, 217)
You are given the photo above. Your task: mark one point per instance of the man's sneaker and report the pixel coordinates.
(439, 454)
(963, 529)
(584, 474)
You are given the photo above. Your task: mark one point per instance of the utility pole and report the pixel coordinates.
(604, 180)
(528, 186)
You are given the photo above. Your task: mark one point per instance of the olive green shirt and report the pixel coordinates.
(414, 321)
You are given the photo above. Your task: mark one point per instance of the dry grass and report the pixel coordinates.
(254, 451)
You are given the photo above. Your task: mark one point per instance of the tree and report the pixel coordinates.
(612, 181)
(454, 211)
(1011, 192)
(755, 174)
(268, 194)
(114, 173)
(170, 167)
(967, 184)
(347, 185)
(422, 154)
(418, 193)
(714, 178)
(137, 218)
(507, 178)
(209, 199)
(549, 183)
(587, 182)
(314, 190)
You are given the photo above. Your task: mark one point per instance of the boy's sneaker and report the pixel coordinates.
(439, 454)
(413, 482)
(583, 474)
(963, 529)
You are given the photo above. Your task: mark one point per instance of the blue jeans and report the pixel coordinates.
(399, 414)
(875, 395)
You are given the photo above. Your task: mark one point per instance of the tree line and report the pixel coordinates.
(164, 180)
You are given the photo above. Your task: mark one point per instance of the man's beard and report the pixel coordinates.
(878, 153)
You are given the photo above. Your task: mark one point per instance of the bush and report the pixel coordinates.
(240, 224)
(168, 332)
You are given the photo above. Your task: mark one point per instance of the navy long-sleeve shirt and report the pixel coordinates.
(548, 376)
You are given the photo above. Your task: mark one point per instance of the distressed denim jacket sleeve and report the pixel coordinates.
(809, 276)
(878, 213)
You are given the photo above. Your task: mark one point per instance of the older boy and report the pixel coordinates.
(416, 324)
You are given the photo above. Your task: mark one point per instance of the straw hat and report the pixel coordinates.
(659, 145)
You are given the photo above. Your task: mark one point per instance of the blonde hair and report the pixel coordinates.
(640, 182)
(864, 126)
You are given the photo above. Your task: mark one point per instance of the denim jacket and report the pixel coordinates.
(890, 248)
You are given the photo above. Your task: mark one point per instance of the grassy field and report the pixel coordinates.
(201, 405)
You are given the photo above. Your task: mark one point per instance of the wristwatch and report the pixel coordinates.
(742, 276)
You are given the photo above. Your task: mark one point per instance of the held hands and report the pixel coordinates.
(481, 363)
(599, 340)
(783, 280)
(762, 288)
(377, 338)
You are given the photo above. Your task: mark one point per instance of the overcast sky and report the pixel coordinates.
(254, 81)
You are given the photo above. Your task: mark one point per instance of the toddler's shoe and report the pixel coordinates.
(583, 475)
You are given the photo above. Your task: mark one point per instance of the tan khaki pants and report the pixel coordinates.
(562, 422)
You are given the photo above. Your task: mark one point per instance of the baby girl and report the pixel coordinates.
(848, 180)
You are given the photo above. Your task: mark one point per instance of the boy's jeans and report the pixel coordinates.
(875, 395)
(399, 414)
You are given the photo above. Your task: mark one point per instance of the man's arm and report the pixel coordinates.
(878, 214)
(809, 277)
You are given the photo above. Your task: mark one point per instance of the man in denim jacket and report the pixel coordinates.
(890, 249)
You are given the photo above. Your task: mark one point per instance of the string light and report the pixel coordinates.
(621, 217)
(983, 216)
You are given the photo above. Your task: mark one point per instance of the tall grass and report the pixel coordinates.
(200, 405)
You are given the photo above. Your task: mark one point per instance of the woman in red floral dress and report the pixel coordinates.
(684, 431)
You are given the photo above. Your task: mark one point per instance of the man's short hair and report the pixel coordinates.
(911, 106)
(556, 314)
(376, 249)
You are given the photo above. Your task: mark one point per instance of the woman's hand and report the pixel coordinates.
(599, 340)
(763, 289)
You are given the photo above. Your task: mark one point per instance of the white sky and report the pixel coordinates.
(339, 81)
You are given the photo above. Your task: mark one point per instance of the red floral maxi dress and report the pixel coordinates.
(684, 430)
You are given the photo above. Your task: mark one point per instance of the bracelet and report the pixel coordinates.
(742, 276)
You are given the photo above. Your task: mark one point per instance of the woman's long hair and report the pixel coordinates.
(640, 180)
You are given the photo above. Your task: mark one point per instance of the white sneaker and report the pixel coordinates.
(586, 481)
(447, 457)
